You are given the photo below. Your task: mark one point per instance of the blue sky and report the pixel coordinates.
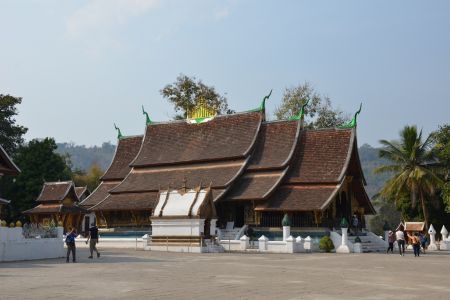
(80, 66)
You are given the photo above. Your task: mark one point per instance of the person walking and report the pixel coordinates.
(391, 240)
(70, 243)
(400, 237)
(423, 241)
(93, 240)
(355, 223)
(415, 243)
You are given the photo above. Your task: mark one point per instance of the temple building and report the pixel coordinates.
(57, 203)
(256, 171)
(108, 214)
(7, 167)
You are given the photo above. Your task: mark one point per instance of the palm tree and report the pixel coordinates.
(414, 173)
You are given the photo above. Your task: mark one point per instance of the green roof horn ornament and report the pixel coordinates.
(301, 114)
(147, 118)
(263, 103)
(352, 123)
(119, 133)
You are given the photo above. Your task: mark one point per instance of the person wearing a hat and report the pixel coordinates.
(391, 240)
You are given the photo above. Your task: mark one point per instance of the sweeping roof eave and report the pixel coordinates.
(9, 167)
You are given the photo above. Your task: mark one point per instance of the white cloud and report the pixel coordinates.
(100, 15)
(222, 13)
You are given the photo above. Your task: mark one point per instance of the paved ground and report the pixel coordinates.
(121, 274)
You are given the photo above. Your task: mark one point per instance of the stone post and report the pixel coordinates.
(290, 244)
(357, 247)
(300, 246)
(262, 243)
(343, 248)
(445, 243)
(307, 244)
(60, 231)
(245, 242)
(432, 246)
(286, 222)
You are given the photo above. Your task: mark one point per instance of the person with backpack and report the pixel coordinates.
(93, 239)
(70, 242)
(415, 243)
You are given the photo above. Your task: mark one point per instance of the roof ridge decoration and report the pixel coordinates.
(148, 121)
(201, 113)
(353, 122)
(301, 114)
(119, 133)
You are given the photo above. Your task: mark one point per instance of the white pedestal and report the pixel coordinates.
(262, 243)
(432, 246)
(286, 232)
(343, 248)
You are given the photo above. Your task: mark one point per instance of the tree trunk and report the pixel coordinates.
(424, 209)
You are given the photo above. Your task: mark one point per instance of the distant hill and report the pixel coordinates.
(83, 157)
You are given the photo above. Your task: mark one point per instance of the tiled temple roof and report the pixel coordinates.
(275, 145)
(126, 151)
(56, 191)
(80, 191)
(216, 174)
(7, 166)
(54, 208)
(224, 137)
(99, 194)
(322, 156)
(4, 201)
(128, 201)
(299, 198)
(255, 185)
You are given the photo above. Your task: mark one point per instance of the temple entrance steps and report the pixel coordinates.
(232, 233)
(213, 247)
(370, 242)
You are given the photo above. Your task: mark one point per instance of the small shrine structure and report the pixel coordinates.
(184, 220)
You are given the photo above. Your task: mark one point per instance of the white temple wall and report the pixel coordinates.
(14, 247)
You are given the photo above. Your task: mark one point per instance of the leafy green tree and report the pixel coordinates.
(413, 174)
(318, 114)
(91, 179)
(387, 213)
(39, 163)
(441, 149)
(186, 92)
(10, 133)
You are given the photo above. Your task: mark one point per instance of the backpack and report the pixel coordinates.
(70, 239)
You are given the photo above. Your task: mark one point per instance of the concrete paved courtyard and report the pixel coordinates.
(128, 274)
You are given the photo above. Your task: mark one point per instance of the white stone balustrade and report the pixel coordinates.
(445, 242)
(245, 242)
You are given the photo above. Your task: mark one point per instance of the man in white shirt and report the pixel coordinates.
(400, 236)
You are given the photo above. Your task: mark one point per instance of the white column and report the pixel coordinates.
(244, 242)
(290, 244)
(262, 243)
(343, 248)
(286, 232)
(386, 236)
(432, 246)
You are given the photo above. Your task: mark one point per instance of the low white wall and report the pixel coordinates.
(119, 243)
(231, 245)
(13, 246)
